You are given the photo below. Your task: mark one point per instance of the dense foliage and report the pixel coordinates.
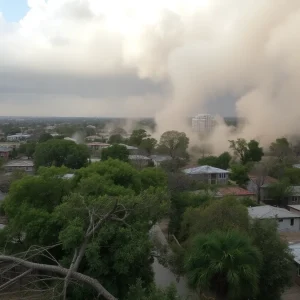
(115, 152)
(59, 153)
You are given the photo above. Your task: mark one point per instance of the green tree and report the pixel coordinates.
(154, 177)
(246, 151)
(239, 174)
(148, 145)
(104, 230)
(225, 263)
(277, 261)
(137, 136)
(45, 137)
(115, 139)
(61, 152)
(115, 152)
(174, 143)
(292, 175)
(221, 161)
(281, 149)
(225, 214)
(280, 191)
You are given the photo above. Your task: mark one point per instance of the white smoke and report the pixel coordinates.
(204, 49)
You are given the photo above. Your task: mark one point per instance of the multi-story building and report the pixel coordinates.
(203, 123)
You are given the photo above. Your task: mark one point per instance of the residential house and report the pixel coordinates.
(287, 221)
(294, 208)
(4, 152)
(259, 185)
(295, 249)
(158, 159)
(96, 146)
(235, 191)
(12, 165)
(139, 161)
(132, 150)
(208, 174)
(93, 138)
(18, 137)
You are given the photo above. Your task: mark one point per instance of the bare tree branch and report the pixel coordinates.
(62, 271)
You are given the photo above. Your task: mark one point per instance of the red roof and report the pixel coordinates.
(234, 191)
(266, 180)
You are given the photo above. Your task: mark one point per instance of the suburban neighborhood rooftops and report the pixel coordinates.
(234, 191)
(19, 163)
(296, 207)
(266, 180)
(295, 189)
(267, 212)
(129, 147)
(138, 157)
(160, 158)
(295, 248)
(204, 170)
(5, 149)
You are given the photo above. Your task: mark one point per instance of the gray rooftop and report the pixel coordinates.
(138, 157)
(296, 166)
(204, 170)
(270, 212)
(297, 207)
(160, 158)
(129, 147)
(5, 149)
(296, 190)
(295, 248)
(19, 163)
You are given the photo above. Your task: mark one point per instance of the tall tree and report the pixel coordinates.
(174, 143)
(148, 145)
(239, 174)
(137, 137)
(61, 152)
(282, 150)
(280, 191)
(221, 161)
(45, 137)
(277, 261)
(115, 152)
(225, 263)
(115, 139)
(246, 151)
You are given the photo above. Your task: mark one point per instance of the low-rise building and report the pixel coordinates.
(235, 191)
(139, 161)
(287, 221)
(18, 137)
(295, 249)
(294, 208)
(208, 174)
(158, 159)
(17, 164)
(95, 146)
(132, 150)
(4, 152)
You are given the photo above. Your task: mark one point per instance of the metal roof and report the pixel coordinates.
(129, 147)
(297, 207)
(138, 157)
(19, 163)
(5, 149)
(204, 170)
(295, 249)
(160, 158)
(267, 212)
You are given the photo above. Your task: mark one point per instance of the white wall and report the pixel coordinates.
(285, 225)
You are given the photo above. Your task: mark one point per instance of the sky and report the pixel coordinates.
(167, 59)
(13, 10)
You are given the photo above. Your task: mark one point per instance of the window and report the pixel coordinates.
(292, 222)
(280, 220)
(294, 199)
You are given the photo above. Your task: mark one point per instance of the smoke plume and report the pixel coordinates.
(200, 49)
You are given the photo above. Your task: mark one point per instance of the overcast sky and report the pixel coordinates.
(85, 58)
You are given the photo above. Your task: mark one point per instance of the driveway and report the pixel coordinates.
(292, 294)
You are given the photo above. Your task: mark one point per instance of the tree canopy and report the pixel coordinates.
(58, 153)
(246, 151)
(137, 137)
(174, 143)
(222, 161)
(115, 152)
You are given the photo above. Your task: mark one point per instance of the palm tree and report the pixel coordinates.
(225, 263)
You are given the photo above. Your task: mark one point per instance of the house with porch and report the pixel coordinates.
(208, 174)
(287, 221)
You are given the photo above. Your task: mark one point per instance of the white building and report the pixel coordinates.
(287, 221)
(17, 137)
(208, 174)
(18, 164)
(203, 123)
